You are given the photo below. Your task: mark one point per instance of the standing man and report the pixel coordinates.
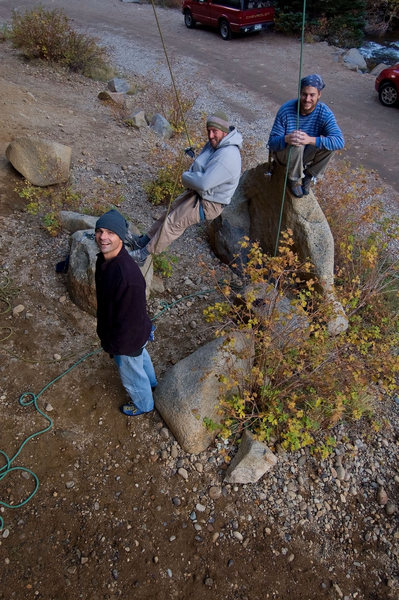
(210, 181)
(123, 325)
(312, 142)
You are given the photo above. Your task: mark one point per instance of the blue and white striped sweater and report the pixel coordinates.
(320, 123)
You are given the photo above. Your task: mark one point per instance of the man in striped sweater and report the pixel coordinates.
(305, 139)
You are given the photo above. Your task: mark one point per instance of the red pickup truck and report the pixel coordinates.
(229, 16)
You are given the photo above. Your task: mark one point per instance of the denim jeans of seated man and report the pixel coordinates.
(138, 377)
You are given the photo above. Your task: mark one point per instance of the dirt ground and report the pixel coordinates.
(112, 518)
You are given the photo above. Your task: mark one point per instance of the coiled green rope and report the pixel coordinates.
(28, 399)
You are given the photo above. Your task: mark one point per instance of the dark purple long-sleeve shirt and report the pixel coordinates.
(123, 324)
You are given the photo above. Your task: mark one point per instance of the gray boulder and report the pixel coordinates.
(73, 221)
(251, 462)
(255, 211)
(138, 119)
(231, 226)
(354, 60)
(112, 98)
(161, 126)
(120, 86)
(81, 269)
(188, 393)
(41, 161)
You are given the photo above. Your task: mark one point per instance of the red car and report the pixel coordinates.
(387, 86)
(229, 16)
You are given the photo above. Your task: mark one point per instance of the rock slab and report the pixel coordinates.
(42, 162)
(189, 392)
(251, 462)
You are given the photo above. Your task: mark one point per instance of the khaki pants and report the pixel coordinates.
(185, 211)
(313, 160)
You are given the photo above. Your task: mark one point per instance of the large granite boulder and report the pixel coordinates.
(42, 162)
(255, 212)
(189, 392)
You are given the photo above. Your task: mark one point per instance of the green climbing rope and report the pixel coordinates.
(29, 399)
(297, 125)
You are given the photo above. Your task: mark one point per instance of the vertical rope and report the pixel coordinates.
(297, 126)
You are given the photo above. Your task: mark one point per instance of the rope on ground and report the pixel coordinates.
(28, 399)
(31, 399)
(297, 125)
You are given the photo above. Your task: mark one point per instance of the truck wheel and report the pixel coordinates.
(224, 30)
(188, 19)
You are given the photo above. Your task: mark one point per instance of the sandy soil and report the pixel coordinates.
(112, 518)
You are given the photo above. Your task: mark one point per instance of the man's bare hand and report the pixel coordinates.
(299, 138)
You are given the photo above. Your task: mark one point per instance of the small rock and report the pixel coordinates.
(164, 433)
(382, 497)
(57, 356)
(208, 582)
(69, 485)
(215, 492)
(183, 473)
(390, 508)
(238, 536)
(200, 507)
(6, 533)
(18, 309)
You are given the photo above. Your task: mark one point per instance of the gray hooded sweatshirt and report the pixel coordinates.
(215, 173)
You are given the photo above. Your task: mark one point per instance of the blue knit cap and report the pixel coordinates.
(314, 80)
(113, 221)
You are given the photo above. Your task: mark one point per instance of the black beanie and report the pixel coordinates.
(113, 221)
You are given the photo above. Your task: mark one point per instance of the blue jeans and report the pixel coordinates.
(138, 377)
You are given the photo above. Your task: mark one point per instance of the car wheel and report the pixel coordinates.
(224, 29)
(188, 19)
(388, 94)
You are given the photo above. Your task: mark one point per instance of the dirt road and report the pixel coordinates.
(259, 71)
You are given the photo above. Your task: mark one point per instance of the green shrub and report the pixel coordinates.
(48, 35)
(47, 202)
(303, 381)
(163, 263)
(5, 32)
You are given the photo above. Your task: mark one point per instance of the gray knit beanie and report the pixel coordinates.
(113, 221)
(218, 120)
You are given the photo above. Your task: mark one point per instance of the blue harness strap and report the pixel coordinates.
(201, 210)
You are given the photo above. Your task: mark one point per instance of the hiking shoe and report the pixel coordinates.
(136, 241)
(139, 256)
(131, 410)
(306, 181)
(295, 189)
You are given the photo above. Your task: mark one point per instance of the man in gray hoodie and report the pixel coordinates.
(210, 181)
